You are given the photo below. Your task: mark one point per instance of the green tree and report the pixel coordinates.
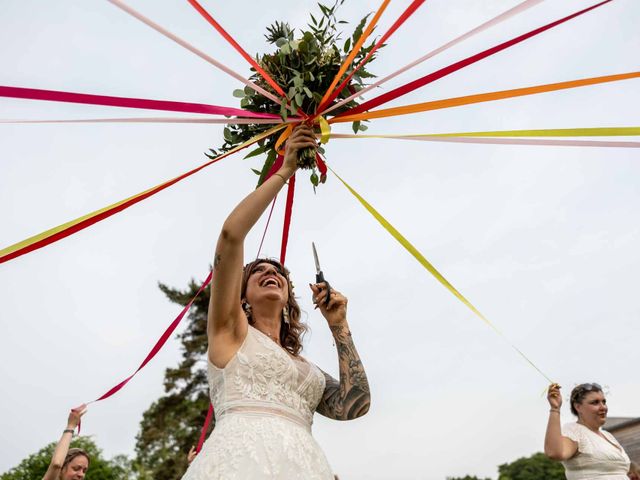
(171, 425)
(468, 477)
(536, 467)
(34, 466)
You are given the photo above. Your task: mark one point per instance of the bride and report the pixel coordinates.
(263, 392)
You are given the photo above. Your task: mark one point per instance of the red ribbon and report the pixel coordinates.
(322, 167)
(421, 82)
(159, 344)
(403, 18)
(287, 218)
(89, 99)
(106, 214)
(205, 427)
(237, 46)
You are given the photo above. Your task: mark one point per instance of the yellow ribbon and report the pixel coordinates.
(64, 226)
(430, 268)
(547, 132)
(325, 130)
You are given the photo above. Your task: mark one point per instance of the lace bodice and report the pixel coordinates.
(262, 378)
(264, 400)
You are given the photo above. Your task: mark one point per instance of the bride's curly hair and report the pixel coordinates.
(290, 333)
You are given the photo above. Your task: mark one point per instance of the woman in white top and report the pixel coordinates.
(586, 451)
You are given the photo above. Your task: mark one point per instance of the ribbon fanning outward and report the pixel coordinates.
(159, 344)
(515, 137)
(431, 269)
(69, 228)
(547, 132)
(354, 51)
(143, 103)
(397, 24)
(421, 82)
(287, 219)
(191, 48)
(205, 427)
(236, 45)
(482, 97)
(224, 121)
(521, 7)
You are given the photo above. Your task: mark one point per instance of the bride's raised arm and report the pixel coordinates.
(227, 324)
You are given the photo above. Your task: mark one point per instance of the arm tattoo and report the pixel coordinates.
(350, 397)
(216, 261)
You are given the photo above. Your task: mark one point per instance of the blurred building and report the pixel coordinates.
(627, 432)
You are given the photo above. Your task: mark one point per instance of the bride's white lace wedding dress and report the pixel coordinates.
(264, 400)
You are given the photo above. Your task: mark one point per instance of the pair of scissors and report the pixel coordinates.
(320, 275)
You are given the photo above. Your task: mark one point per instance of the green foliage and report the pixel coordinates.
(304, 68)
(535, 467)
(35, 466)
(171, 425)
(467, 477)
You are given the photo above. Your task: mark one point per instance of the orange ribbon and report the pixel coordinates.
(482, 97)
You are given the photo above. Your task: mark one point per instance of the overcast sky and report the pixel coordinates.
(543, 240)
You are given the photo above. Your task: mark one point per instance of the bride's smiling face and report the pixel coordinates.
(266, 282)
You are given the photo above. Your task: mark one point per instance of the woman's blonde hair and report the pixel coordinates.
(71, 454)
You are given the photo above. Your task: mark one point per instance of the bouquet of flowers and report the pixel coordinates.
(304, 67)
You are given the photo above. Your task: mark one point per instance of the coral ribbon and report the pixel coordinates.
(430, 268)
(403, 18)
(127, 102)
(354, 51)
(61, 231)
(236, 45)
(420, 82)
(482, 97)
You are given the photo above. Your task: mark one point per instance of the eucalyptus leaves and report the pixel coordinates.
(304, 67)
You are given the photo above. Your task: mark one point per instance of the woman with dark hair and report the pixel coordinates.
(585, 450)
(263, 391)
(68, 463)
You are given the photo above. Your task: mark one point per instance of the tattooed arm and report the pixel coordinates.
(348, 398)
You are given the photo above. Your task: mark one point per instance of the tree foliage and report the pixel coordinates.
(171, 425)
(35, 466)
(536, 467)
(467, 477)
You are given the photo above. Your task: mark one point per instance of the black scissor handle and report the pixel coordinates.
(320, 279)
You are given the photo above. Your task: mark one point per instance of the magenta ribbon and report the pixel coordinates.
(159, 344)
(89, 99)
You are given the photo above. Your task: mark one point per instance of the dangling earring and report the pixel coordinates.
(247, 309)
(285, 314)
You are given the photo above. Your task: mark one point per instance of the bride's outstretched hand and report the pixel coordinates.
(335, 310)
(302, 137)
